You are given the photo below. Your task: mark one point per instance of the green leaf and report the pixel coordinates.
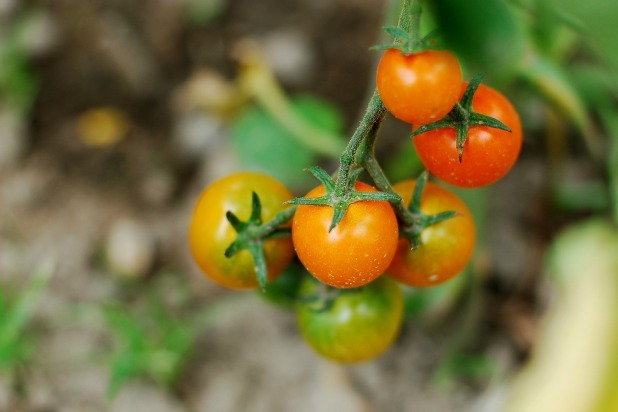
(461, 365)
(319, 112)
(125, 367)
(582, 196)
(397, 33)
(552, 83)
(18, 85)
(16, 310)
(482, 32)
(551, 29)
(596, 85)
(201, 13)
(324, 178)
(550, 80)
(128, 329)
(599, 19)
(256, 209)
(262, 143)
(14, 320)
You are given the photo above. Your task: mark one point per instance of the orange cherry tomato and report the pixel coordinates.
(419, 88)
(356, 251)
(210, 233)
(445, 248)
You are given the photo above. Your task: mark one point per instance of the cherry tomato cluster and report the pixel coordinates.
(348, 234)
(422, 88)
(362, 318)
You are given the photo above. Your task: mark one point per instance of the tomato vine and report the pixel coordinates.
(347, 233)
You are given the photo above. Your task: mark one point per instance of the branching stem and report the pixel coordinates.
(274, 224)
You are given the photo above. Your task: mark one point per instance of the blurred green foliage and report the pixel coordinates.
(204, 12)
(458, 365)
(283, 291)
(436, 302)
(403, 163)
(482, 32)
(18, 84)
(575, 360)
(155, 330)
(262, 143)
(16, 310)
(154, 343)
(598, 18)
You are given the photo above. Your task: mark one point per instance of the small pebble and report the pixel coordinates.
(130, 249)
(290, 55)
(197, 133)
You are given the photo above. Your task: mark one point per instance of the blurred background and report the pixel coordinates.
(115, 114)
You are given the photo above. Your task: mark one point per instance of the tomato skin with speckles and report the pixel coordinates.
(210, 233)
(356, 251)
(357, 326)
(419, 88)
(445, 248)
(489, 153)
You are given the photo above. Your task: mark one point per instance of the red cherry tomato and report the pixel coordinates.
(489, 153)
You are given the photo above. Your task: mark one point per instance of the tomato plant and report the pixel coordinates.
(210, 233)
(419, 88)
(356, 325)
(356, 251)
(444, 248)
(344, 232)
(488, 153)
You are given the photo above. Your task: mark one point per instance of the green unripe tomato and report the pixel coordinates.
(358, 325)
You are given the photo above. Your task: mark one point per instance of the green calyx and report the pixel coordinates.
(408, 42)
(340, 195)
(252, 233)
(324, 297)
(462, 117)
(418, 221)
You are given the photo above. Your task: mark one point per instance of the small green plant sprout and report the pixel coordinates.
(17, 307)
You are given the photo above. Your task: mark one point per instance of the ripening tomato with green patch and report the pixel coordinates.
(357, 325)
(488, 153)
(419, 88)
(353, 253)
(210, 233)
(445, 248)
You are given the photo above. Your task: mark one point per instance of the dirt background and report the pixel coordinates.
(61, 199)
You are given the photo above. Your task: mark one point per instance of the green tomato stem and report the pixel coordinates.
(368, 127)
(372, 166)
(411, 18)
(273, 225)
(364, 137)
